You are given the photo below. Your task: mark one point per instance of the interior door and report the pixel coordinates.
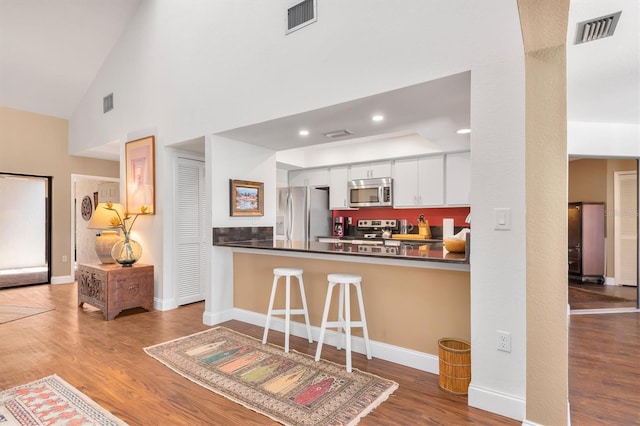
(190, 232)
(626, 228)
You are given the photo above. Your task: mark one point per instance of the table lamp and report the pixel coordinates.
(101, 219)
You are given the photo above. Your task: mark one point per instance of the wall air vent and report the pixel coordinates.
(596, 29)
(107, 103)
(337, 133)
(301, 14)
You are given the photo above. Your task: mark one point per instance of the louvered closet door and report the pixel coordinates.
(626, 230)
(190, 236)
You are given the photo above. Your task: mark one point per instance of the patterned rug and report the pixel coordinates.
(12, 313)
(290, 388)
(52, 401)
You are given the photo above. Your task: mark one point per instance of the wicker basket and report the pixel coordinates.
(455, 365)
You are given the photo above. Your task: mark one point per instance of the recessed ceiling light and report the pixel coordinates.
(303, 132)
(377, 117)
(463, 131)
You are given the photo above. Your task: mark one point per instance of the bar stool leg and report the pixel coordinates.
(347, 324)
(271, 300)
(304, 306)
(323, 327)
(287, 312)
(340, 321)
(363, 319)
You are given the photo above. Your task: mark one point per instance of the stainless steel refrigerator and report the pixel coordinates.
(303, 213)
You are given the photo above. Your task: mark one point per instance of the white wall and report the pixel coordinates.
(234, 160)
(588, 139)
(188, 69)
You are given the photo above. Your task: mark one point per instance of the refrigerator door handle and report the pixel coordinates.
(289, 218)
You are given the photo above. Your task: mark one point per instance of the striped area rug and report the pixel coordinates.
(290, 388)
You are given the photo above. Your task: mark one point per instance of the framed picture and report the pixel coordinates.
(246, 198)
(140, 175)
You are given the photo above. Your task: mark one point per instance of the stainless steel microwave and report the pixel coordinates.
(370, 192)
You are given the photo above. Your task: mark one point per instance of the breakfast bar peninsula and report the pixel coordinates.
(414, 294)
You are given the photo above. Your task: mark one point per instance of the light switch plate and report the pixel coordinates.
(502, 219)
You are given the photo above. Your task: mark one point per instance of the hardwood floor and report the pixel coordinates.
(598, 296)
(106, 361)
(604, 369)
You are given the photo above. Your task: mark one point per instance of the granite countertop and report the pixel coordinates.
(433, 251)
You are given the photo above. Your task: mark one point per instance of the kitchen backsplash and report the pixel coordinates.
(245, 233)
(433, 215)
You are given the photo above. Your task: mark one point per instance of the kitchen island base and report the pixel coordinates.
(408, 308)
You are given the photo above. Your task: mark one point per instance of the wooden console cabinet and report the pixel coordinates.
(113, 288)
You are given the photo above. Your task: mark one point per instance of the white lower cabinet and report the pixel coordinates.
(458, 179)
(338, 178)
(418, 182)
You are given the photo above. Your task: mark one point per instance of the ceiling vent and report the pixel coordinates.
(337, 133)
(107, 103)
(596, 29)
(301, 14)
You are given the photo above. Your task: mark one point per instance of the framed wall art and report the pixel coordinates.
(246, 198)
(140, 175)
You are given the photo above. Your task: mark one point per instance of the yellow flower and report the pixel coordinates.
(119, 222)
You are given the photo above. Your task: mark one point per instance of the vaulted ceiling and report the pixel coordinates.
(50, 52)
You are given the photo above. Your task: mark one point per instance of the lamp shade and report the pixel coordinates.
(101, 218)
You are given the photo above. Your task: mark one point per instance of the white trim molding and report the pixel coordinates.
(497, 402)
(64, 279)
(414, 359)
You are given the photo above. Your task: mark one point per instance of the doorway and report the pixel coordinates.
(25, 229)
(87, 192)
(594, 180)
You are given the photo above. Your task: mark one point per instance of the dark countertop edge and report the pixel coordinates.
(253, 244)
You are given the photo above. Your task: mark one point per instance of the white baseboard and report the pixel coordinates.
(414, 359)
(213, 318)
(609, 281)
(497, 402)
(65, 279)
(164, 304)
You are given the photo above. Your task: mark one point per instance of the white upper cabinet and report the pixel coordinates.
(458, 179)
(370, 170)
(338, 178)
(309, 177)
(418, 182)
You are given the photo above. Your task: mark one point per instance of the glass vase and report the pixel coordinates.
(126, 252)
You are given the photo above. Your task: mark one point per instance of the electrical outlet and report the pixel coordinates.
(64, 259)
(504, 341)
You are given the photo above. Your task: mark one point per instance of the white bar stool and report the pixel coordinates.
(344, 314)
(287, 311)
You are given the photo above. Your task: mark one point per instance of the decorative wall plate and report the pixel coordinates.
(86, 208)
